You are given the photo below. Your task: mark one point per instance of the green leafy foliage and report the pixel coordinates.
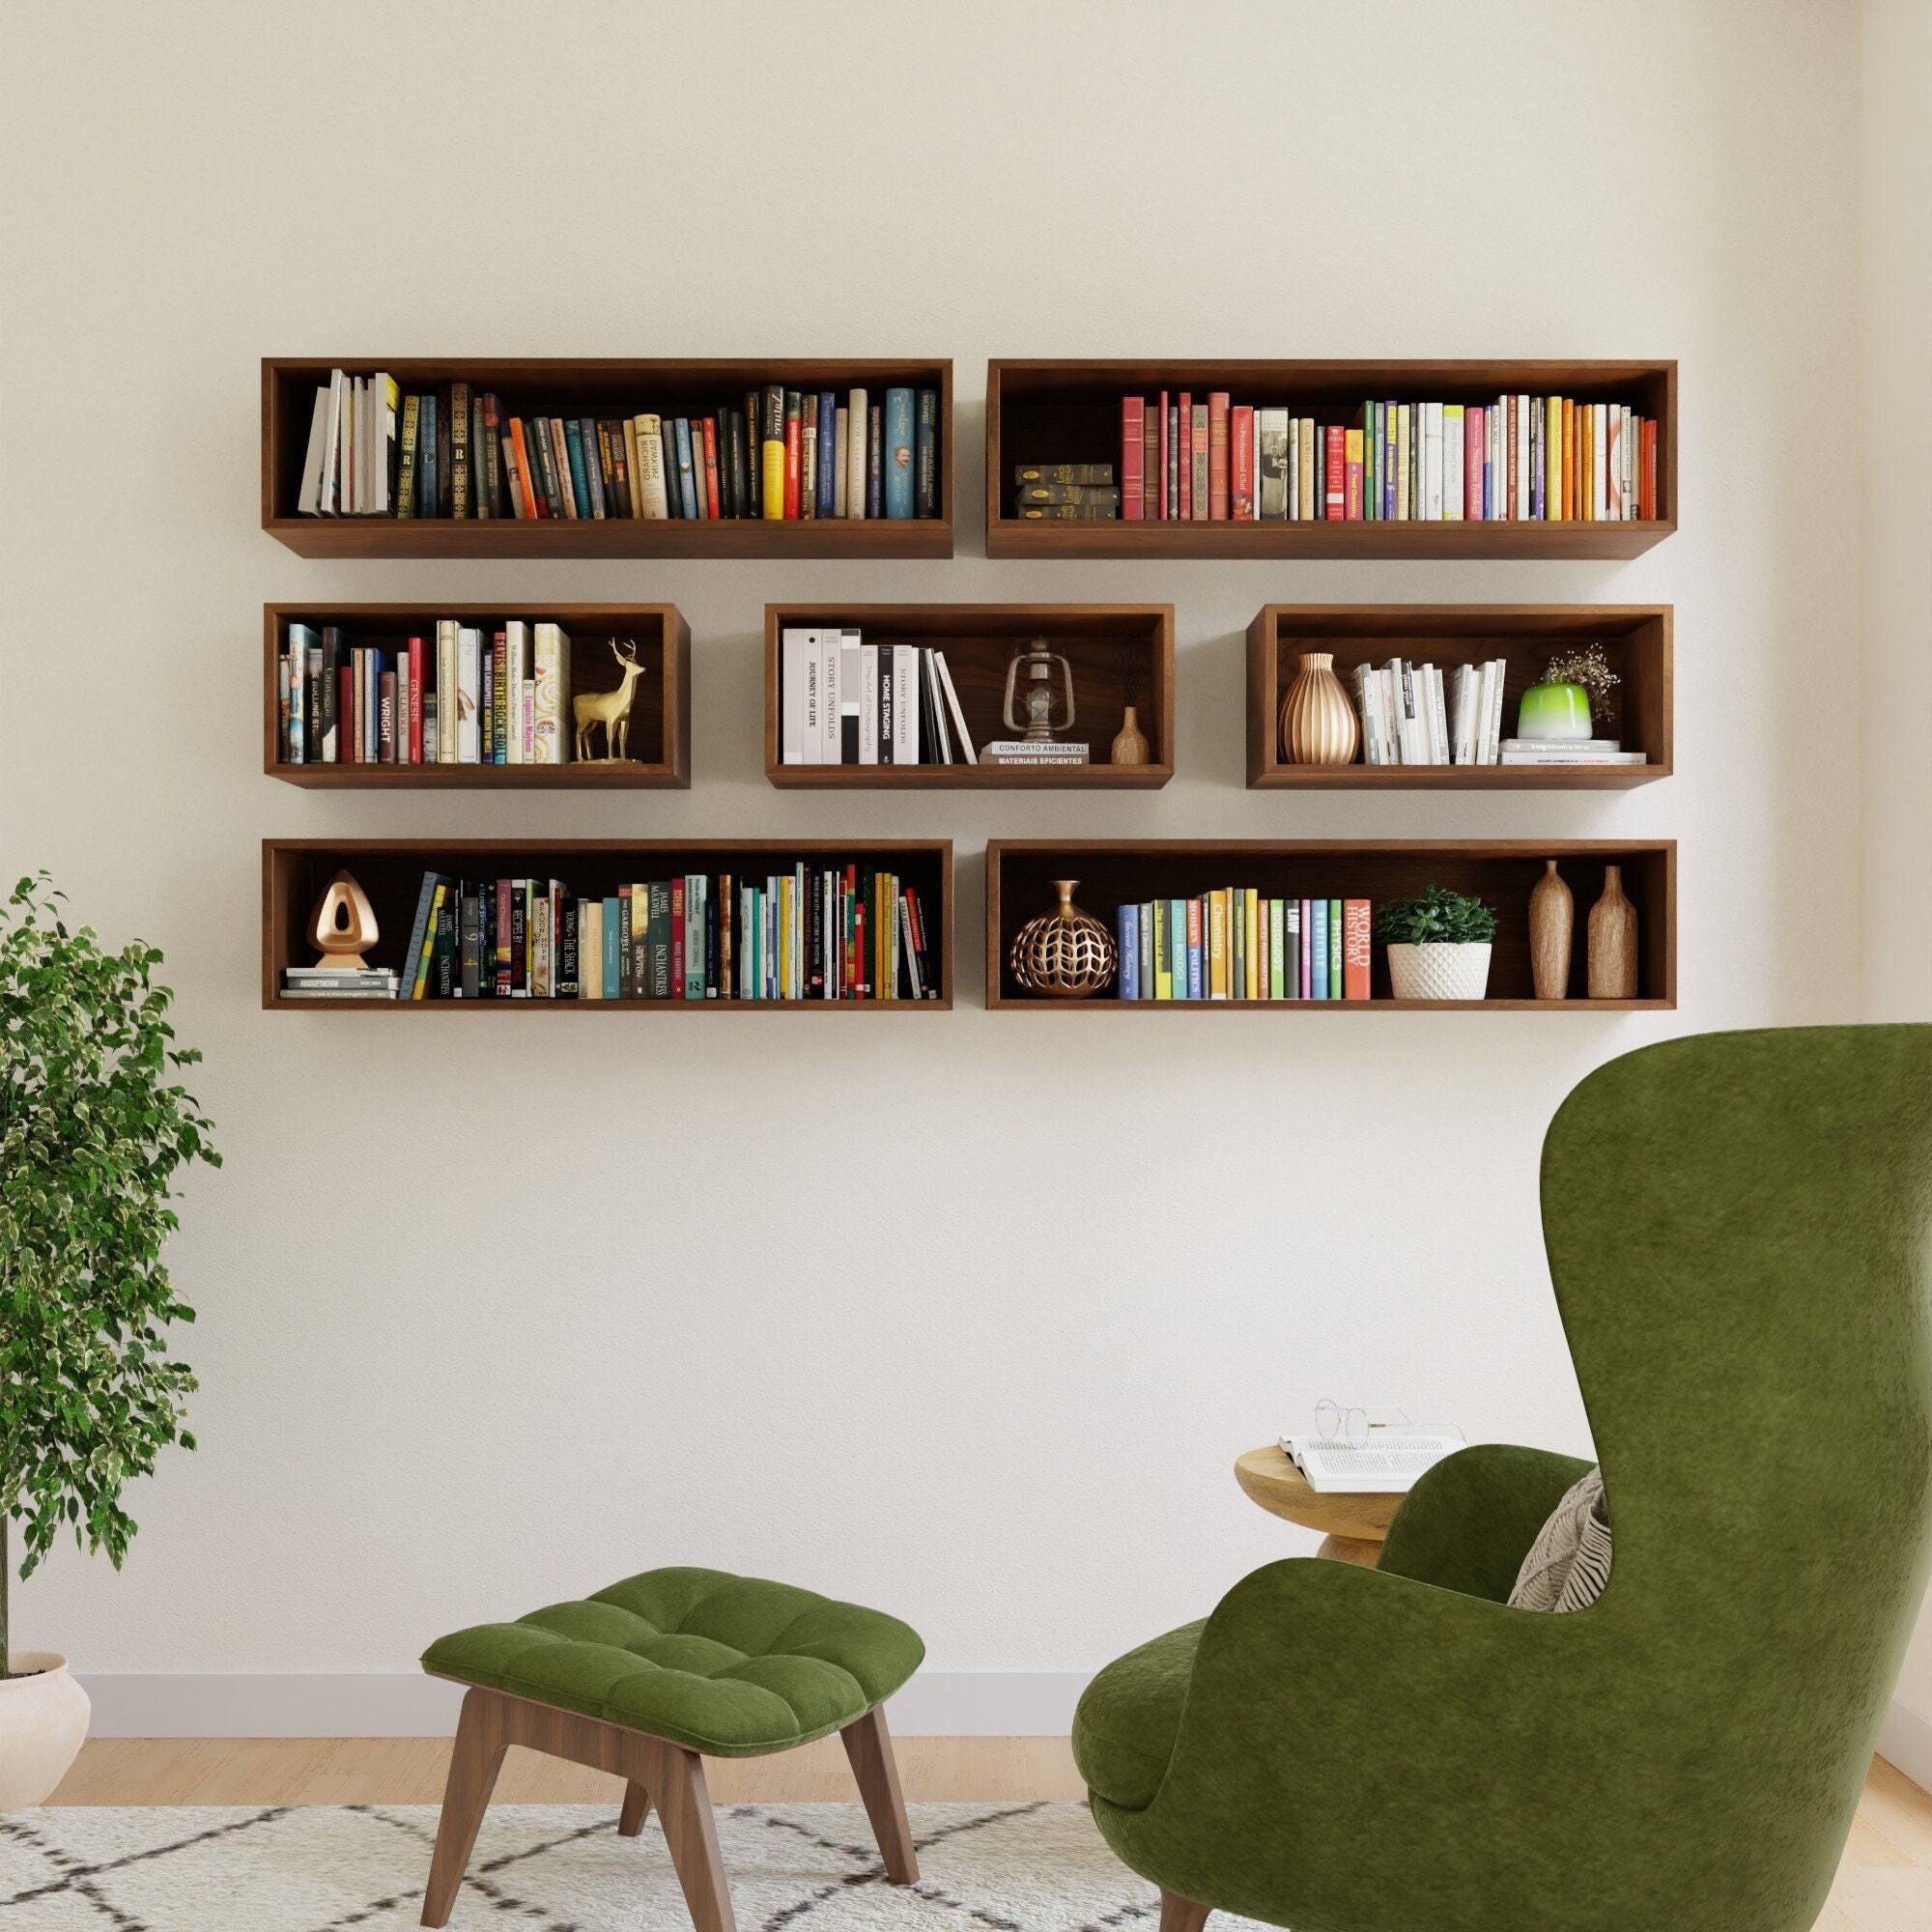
(93, 1129)
(1436, 917)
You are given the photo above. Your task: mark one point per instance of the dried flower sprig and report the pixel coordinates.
(1586, 666)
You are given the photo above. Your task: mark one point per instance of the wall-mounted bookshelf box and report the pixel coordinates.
(1070, 412)
(1636, 646)
(294, 871)
(1120, 654)
(1116, 872)
(599, 387)
(660, 725)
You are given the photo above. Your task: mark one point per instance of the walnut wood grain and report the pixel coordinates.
(869, 1746)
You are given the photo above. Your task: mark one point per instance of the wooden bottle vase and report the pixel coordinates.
(1612, 962)
(1318, 722)
(1552, 915)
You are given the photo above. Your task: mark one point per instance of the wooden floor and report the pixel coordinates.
(1885, 1883)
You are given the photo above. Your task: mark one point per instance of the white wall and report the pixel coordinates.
(1895, 205)
(487, 1319)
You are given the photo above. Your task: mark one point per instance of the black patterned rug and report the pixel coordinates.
(557, 1868)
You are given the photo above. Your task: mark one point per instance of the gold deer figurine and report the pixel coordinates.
(611, 709)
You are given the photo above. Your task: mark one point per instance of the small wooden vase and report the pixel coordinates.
(1612, 962)
(1065, 954)
(1318, 722)
(344, 924)
(1130, 741)
(1552, 915)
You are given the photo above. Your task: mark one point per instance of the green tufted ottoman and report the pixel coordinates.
(643, 1677)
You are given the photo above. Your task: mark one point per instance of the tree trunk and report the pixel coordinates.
(6, 1653)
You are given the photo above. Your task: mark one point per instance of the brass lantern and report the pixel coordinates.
(1032, 696)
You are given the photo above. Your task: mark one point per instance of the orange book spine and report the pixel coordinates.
(1355, 948)
(531, 509)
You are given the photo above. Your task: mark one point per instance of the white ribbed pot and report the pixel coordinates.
(1439, 972)
(43, 1725)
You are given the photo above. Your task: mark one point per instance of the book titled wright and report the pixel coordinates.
(775, 453)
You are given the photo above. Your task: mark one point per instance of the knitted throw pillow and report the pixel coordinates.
(1570, 1561)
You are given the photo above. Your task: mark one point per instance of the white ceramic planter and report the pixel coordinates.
(42, 1726)
(1439, 972)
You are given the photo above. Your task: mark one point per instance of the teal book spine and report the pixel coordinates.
(1177, 945)
(898, 453)
(1334, 949)
(613, 955)
(579, 478)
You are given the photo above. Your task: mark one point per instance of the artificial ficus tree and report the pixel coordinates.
(93, 1129)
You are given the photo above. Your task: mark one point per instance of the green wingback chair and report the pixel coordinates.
(1739, 1230)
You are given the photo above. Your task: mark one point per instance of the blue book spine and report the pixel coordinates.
(686, 476)
(828, 452)
(1128, 919)
(613, 947)
(898, 453)
(1318, 951)
(1146, 923)
(579, 478)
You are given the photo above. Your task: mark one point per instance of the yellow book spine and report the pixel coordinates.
(1163, 951)
(1553, 460)
(773, 500)
(1217, 944)
(1252, 913)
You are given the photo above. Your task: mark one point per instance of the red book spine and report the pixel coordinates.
(1354, 948)
(1184, 509)
(1647, 502)
(1160, 482)
(349, 749)
(416, 657)
(793, 435)
(862, 987)
(1217, 456)
(1242, 453)
(1335, 476)
(1133, 457)
(676, 939)
(1475, 427)
(711, 465)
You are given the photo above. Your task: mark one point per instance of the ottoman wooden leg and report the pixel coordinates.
(684, 1808)
(1180, 1914)
(473, 1765)
(637, 1809)
(869, 1746)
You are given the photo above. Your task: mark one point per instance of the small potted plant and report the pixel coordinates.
(1558, 705)
(1438, 945)
(92, 1130)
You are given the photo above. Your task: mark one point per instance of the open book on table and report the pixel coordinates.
(1380, 1462)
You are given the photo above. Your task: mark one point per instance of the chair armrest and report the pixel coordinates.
(1468, 1523)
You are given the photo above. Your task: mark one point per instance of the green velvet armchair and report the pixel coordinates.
(1739, 1230)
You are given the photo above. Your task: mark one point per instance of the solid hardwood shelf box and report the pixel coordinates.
(1115, 871)
(1070, 412)
(1637, 646)
(660, 758)
(602, 388)
(295, 871)
(1120, 654)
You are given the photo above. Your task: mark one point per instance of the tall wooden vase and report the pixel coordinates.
(1318, 722)
(1613, 965)
(1553, 913)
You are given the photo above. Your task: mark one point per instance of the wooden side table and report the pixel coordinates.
(1353, 1526)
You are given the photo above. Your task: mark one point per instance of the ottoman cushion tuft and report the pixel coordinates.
(731, 1666)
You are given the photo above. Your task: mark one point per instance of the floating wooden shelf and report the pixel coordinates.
(295, 871)
(659, 703)
(1114, 872)
(599, 387)
(1120, 654)
(1070, 412)
(1636, 646)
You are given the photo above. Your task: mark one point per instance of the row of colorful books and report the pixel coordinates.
(474, 696)
(851, 933)
(455, 453)
(1236, 943)
(1519, 459)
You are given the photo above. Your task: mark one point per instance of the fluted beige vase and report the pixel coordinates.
(1318, 722)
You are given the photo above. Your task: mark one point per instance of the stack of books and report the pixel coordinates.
(1236, 943)
(1066, 493)
(471, 697)
(1410, 717)
(843, 701)
(339, 983)
(1517, 459)
(1560, 752)
(849, 932)
(776, 454)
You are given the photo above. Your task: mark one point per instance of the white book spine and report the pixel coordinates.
(905, 705)
(798, 695)
(1454, 460)
(1495, 721)
(830, 666)
(445, 691)
(1432, 462)
(855, 454)
(868, 705)
(955, 717)
(651, 467)
(553, 726)
(1402, 456)
(1522, 457)
(1365, 710)
(936, 704)
(1600, 460)
(468, 696)
(1437, 716)
(1293, 469)
(310, 502)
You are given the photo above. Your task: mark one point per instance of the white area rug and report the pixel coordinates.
(557, 1868)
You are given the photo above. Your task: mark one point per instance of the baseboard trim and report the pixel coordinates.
(407, 1704)
(1905, 1741)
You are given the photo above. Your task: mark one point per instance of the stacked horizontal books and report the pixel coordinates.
(330, 982)
(811, 933)
(1520, 459)
(1066, 493)
(777, 453)
(843, 701)
(1236, 943)
(1410, 717)
(469, 696)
